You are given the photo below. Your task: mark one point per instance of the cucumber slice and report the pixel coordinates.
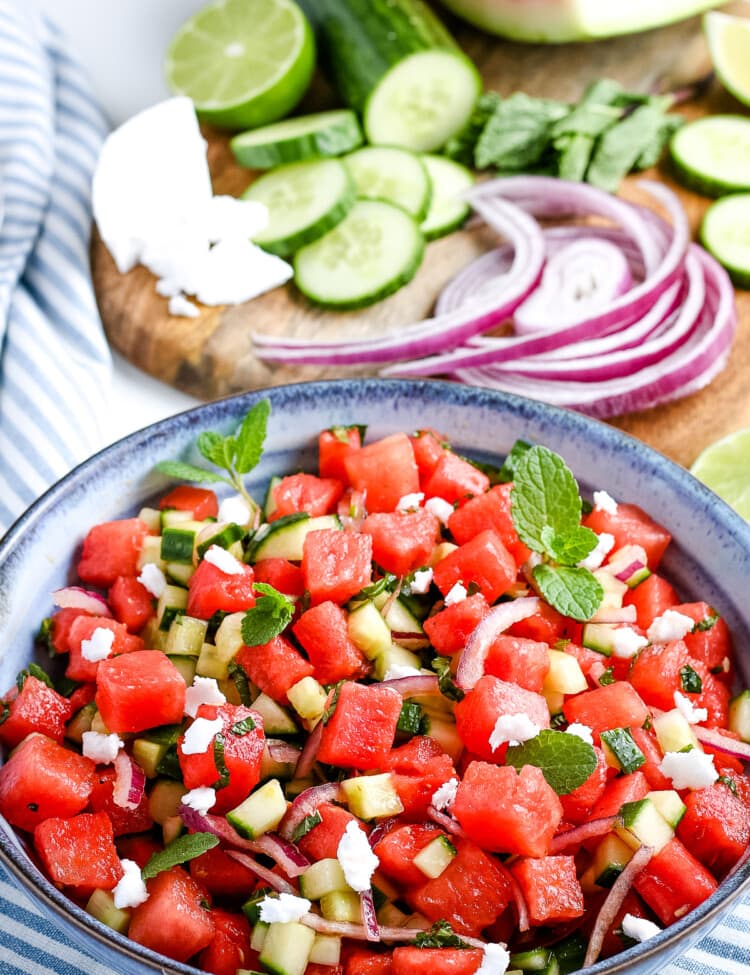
(305, 200)
(375, 250)
(724, 232)
(305, 137)
(448, 210)
(285, 537)
(712, 155)
(395, 175)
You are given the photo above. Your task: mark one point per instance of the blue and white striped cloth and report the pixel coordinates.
(54, 369)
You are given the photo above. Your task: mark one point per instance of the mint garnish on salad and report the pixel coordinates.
(270, 616)
(184, 848)
(566, 761)
(546, 510)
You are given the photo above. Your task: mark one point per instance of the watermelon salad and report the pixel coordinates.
(413, 714)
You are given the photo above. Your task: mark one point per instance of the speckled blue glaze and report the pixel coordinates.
(709, 559)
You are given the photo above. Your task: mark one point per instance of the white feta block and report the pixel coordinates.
(445, 795)
(626, 642)
(201, 799)
(284, 908)
(605, 502)
(410, 502)
(421, 581)
(581, 731)
(153, 579)
(439, 507)
(456, 594)
(639, 928)
(688, 710)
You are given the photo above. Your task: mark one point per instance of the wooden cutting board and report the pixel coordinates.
(212, 356)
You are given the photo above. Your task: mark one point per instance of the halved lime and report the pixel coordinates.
(729, 43)
(724, 466)
(244, 63)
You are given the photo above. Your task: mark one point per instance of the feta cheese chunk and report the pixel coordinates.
(357, 860)
(201, 799)
(689, 770)
(98, 646)
(101, 749)
(598, 554)
(130, 890)
(443, 797)
(639, 928)
(439, 507)
(234, 509)
(421, 581)
(224, 561)
(204, 690)
(456, 594)
(626, 642)
(200, 735)
(495, 960)
(688, 710)
(153, 579)
(284, 908)
(512, 729)
(410, 502)
(671, 625)
(581, 731)
(605, 502)
(396, 671)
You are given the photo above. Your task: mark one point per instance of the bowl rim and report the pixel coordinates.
(65, 912)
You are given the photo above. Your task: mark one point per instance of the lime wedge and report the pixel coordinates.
(729, 43)
(724, 467)
(244, 63)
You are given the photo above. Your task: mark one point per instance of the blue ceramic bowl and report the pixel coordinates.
(709, 558)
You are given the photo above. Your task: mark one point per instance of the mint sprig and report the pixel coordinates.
(184, 848)
(566, 761)
(570, 548)
(235, 454)
(574, 592)
(270, 616)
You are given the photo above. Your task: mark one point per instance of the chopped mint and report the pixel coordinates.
(243, 727)
(566, 761)
(184, 848)
(33, 670)
(690, 680)
(448, 687)
(328, 713)
(221, 766)
(706, 624)
(270, 616)
(240, 680)
(440, 935)
(304, 827)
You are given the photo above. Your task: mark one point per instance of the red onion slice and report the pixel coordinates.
(309, 752)
(130, 782)
(448, 823)
(629, 571)
(263, 873)
(723, 743)
(74, 597)
(306, 804)
(499, 618)
(408, 686)
(577, 836)
(358, 932)
(519, 901)
(282, 751)
(614, 901)
(369, 916)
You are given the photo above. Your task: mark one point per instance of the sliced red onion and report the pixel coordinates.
(624, 574)
(614, 901)
(582, 277)
(309, 752)
(287, 856)
(448, 823)
(74, 597)
(723, 743)
(413, 686)
(263, 873)
(282, 751)
(615, 614)
(382, 829)
(577, 836)
(519, 901)
(130, 782)
(358, 932)
(306, 804)
(499, 618)
(369, 916)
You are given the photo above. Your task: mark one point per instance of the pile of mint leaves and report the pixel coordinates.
(609, 133)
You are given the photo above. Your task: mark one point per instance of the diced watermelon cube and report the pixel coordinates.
(547, 626)
(336, 564)
(362, 961)
(229, 948)
(211, 590)
(132, 604)
(455, 479)
(450, 628)
(673, 882)
(419, 768)
(305, 492)
(222, 875)
(612, 706)
(713, 646)
(111, 550)
(646, 741)
(83, 628)
(651, 598)
(79, 851)
(428, 961)
(715, 827)
(550, 888)
(62, 620)
(322, 841)
(333, 446)
(200, 501)
(274, 666)
(625, 788)
(519, 661)
(428, 449)
(137, 691)
(323, 633)
(402, 540)
(630, 525)
(491, 698)
(281, 574)
(490, 510)
(397, 849)
(385, 471)
(173, 920)
(123, 821)
(577, 804)
(35, 707)
(360, 732)
(484, 561)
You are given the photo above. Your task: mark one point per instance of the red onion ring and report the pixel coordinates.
(130, 782)
(575, 837)
(629, 570)
(408, 686)
(369, 916)
(723, 743)
(74, 597)
(448, 823)
(357, 932)
(519, 901)
(614, 901)
(309, 751)
(263, 873)
(499, 618)
(306, 804)
(282, 751)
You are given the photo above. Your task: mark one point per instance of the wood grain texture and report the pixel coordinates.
(212, 355)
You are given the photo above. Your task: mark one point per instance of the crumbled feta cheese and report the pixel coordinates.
(396, 671)
(204, 690)
(689, 770)
(688, 710)
(605, 502)
(181, 306)
(130, 890)
(626, 642)
(153, 579)
(200, 735)
(101, 749)
(439, 507)
(421, 581)
(234, 509)
(581, 731)
(224, 561)
(456, 594)
(443, 797)
(284, 908)
(671, 625)
(639, 928)
(597, 554)
(228, 216)
(512, 729)
(99, 646)
(201, 799)
(357, 860)
(495, 960)
(410, 502)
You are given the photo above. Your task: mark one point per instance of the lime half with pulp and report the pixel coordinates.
(724, 466)
(729, 43)
(244, 63)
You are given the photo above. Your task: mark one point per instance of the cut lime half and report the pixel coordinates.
(724, 467)
(244, 63)
(729, 43)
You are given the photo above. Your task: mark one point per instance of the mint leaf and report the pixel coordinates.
(184, 848)
(251, 436)
(33, 670)
(620, 146)
(517, 132)
(448, 687)
(440, 935)
(566, 761)
(508, 470)
(690, 680)
(570, 548)
(188, 472)
(217, 449)
(544, 493)
(706, 624)
(270, 616)
(4, 712)
(303, 828)
(330, 710)
(241, 682)
(221, 766)
(571, 591)
(243, 727)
